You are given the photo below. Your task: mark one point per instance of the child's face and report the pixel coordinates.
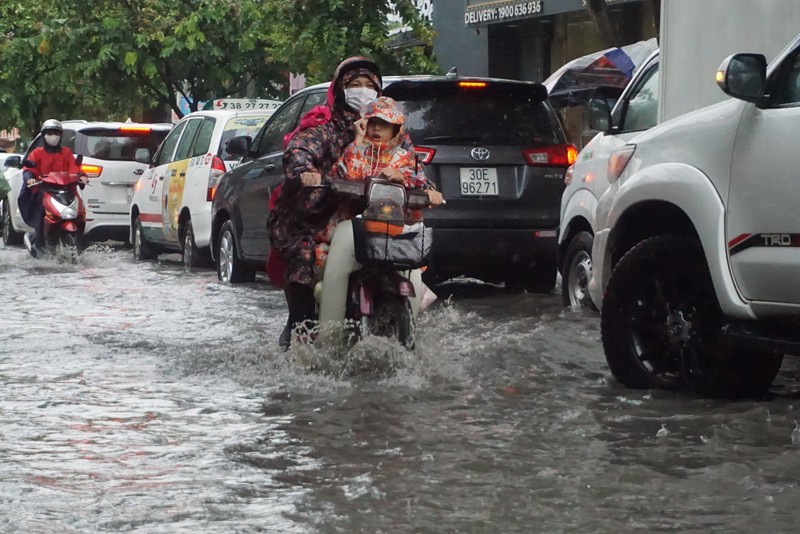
(379, 130)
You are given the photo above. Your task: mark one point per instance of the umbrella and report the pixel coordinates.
(609, 70)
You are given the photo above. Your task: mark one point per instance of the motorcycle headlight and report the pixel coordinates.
(388, 191)
(68, 213)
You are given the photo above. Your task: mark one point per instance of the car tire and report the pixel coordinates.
(142, 249)
(10, 234)
(191, 255)
(661, 321)
(230, 268)
(576, 273)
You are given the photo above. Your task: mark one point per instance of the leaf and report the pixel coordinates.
(131, 58)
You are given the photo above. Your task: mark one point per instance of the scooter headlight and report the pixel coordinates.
(68, 213)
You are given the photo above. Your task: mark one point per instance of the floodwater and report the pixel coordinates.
(146, 398)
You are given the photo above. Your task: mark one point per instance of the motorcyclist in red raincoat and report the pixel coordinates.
(50, 157)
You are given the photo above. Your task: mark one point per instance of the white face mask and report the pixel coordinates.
(358, 97)
(52, 139)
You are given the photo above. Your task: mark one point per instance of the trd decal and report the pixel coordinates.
(745, 241)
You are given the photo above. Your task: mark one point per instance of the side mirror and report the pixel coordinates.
(142, 155)
(599, 115)
(79, 159)
(743, 76)
(28, 163)
(239, 145)
(13, 161)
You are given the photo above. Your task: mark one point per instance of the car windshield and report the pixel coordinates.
(114, 145)
(444, 115)
(240, 126)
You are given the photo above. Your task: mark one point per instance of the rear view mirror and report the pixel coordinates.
(13, 161)
(599, 115)
(743, 76)
(142, 155)
(238, 146)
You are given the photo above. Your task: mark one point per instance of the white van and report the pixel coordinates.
(171, 206)
(108, 150)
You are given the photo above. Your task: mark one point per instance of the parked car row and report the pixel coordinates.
(494, 148)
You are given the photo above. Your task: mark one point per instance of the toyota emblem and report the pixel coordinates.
(480, 153)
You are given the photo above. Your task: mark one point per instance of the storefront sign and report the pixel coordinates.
(483, 12)
(498, 12)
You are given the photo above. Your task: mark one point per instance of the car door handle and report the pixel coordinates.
(138, 172)
(174, 172)
(183, 174)
(269, 167)
(160, 177)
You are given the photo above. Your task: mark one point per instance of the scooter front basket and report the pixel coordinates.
(409, 248)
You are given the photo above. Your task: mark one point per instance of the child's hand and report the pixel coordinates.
(435, 198)
(361, 129)
(393, 175)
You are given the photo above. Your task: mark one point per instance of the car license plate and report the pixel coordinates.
(478, 181)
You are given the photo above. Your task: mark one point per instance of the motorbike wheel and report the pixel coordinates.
(230, 268)
(10, 234)
(191, 255)
(392, 318)
(142, 250)
(69, 247)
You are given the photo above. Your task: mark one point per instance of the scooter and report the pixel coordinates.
(372, 279)
(64, 214)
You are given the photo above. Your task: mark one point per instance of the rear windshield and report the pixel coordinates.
(113, 145)
(240, 126)
(505, 114)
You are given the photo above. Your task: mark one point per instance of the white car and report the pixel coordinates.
(697, 249)
(108, 150)
(634, 112)
(171, 207)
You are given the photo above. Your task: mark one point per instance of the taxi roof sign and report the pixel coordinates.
(240, 104)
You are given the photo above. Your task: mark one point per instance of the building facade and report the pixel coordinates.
(529, 39)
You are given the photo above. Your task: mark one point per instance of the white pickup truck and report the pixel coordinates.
(694, 37)
(696, 258)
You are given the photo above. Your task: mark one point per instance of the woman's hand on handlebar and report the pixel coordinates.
(30, 182)
(434, 198)
(310, 179)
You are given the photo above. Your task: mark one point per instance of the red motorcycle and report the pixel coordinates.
(64, 212)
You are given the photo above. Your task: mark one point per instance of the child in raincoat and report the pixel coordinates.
(377, 151)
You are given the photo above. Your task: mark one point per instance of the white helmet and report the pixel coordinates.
(52, 125)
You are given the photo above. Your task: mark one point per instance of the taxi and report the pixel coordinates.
(171, 206)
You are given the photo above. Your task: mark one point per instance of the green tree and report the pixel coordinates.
(110, 59)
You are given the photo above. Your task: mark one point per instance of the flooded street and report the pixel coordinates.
(146, 398)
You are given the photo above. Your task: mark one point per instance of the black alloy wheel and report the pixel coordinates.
(661, 321)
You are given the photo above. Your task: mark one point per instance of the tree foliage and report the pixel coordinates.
(113, 59)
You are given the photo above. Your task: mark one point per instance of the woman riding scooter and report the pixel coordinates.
(50, 157)
(302, 211)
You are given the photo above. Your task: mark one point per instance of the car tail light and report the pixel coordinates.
(217, 170)
(92, 171)
(618, 160)
(472, 85)
(551, 156)
(425, 154)
(135, 129)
